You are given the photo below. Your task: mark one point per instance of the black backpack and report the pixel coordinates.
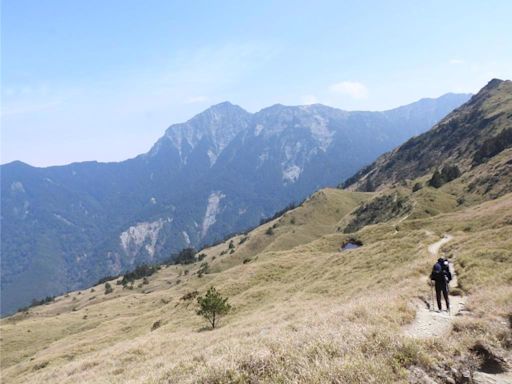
(438, 273)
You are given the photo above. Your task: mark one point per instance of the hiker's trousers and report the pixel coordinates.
(442, 287)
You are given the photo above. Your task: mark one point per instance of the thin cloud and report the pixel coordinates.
(456, 61)
(354, 89)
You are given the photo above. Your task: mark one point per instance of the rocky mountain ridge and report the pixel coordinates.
(479, 129)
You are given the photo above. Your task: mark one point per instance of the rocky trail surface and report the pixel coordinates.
(431, 323)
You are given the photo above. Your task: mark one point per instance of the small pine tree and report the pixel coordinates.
(212, 306)
(108, 288)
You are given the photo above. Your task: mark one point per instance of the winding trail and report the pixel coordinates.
(428, 322)
(433, 249)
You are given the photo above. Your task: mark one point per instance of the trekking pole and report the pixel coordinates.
(448, 295)
(432, 294)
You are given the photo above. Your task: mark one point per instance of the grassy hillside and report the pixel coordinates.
(303, 311)
(468, 137)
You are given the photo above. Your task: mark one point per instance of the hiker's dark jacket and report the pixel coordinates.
(446, 269)
(441, 273)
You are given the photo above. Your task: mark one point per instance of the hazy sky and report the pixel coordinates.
(102, 80)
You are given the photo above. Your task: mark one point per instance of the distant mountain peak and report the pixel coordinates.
(17, 163)
(218, 124)
(225, 109)
(225, 106)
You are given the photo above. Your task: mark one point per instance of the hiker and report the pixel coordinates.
(441, 277)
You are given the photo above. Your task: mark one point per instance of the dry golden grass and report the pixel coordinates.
(304, 312)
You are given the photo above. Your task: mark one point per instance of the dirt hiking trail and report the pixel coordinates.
(428, 322)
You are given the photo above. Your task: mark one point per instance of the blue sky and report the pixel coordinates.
(102, 80)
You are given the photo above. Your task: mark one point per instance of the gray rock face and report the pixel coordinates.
(218, 173)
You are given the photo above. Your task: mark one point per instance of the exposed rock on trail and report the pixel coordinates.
(429, 323)
(487, 378)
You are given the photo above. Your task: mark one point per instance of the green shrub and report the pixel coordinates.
(189, 295)
(106, 278)
(447, 174)
(491, 147)
(141, 271)
(378, 210)
(36, 302)
(203, 269)
(436, 181)
(157, 324)
(108, 288)
(185, 256)
(417, 187)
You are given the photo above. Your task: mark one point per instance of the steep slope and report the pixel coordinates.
(467, 137)
(220, 172)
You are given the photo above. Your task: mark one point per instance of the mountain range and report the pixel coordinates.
(305, 308)
(221, 172)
